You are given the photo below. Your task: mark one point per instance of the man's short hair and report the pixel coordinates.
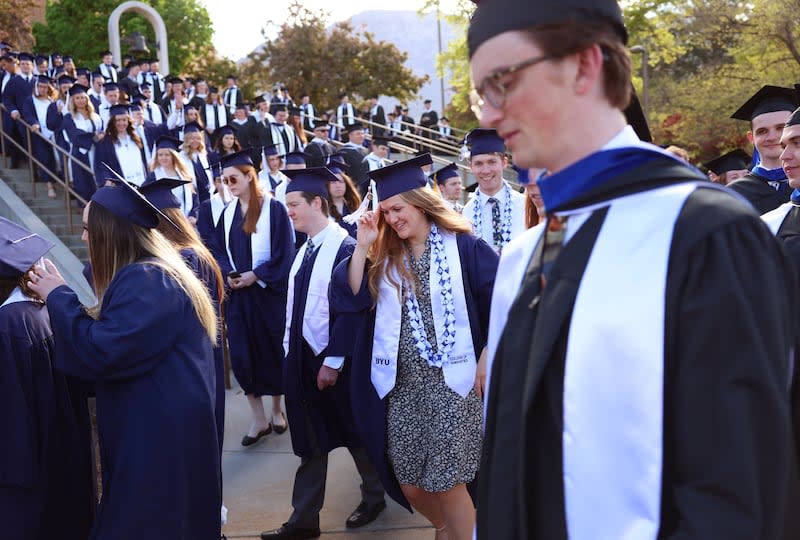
(559, 40)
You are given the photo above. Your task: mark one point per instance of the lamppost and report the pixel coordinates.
(439, 36)
(645, 77)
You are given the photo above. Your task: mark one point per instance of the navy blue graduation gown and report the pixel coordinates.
(352, 229)
(209, 279)
(478, 269)
(46, 467)
(205, 222)
(40, 146)
(55, 123)
(328, 412)
(79, 146)
(104, 152)
(153, 368)
(256, 316)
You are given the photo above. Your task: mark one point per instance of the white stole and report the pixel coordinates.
(775, 218)
(260, 241)
(217, 206)
(614, 372)
(130, 161)
(459, 367)
(316, 318)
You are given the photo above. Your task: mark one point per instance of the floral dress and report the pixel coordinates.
(434, 435)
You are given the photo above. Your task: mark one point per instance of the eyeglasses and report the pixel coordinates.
(229, 180)
(494, 90)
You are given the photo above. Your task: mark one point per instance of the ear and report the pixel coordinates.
(750, 136)
(590, 69)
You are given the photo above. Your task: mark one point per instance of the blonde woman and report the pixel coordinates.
(155, 388)
(34, 112)
(194, 152)
(167, 163)
(416, 390)
(82, 128)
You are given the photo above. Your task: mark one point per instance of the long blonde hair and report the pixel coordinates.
(115, 243)
(389, 250)
(180, 166)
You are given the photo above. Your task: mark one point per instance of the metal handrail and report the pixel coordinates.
(65, 157)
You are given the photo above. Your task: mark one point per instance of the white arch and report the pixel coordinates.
(153, 18)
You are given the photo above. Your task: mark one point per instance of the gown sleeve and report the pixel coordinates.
(275, 271)
(729, 391)
(481, 265)
(344, 325)
(342, 298)
(217, 243)
(128, 339)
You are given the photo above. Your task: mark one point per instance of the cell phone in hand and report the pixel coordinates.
(234, 275)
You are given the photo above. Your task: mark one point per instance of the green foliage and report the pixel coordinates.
(15, 24)
(80, 28)
(309, 59)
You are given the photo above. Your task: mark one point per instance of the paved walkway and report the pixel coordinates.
(258, 484)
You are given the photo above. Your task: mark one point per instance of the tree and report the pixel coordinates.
(15, 23)
(80, 28)
(308, 58)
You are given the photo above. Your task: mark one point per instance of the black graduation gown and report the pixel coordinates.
(727, 278)
(153, 368)
(759, 193)
(478, 267)
(46, 466)
(328, 413)
(256, 316)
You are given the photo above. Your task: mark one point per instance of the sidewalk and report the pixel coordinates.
(258, 480)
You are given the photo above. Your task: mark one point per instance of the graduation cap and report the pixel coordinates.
(634, 115)
(159, 192)
(66, 79)
(192, 127)
(110, 86)
(188, 108)
(226, 130)
(105, 53)
(67, 59)
(83, 71)
(118, 110)
(260, 99)
(241, 157)
(40, 58)
(124, 201)
(271, 150)
(401, 176)
(213, 90)
(77, 89)
(380, 141)
(295, 158)
(445, 173)
(242, 106)
(337, 164)
(167, 141)
(732, 161)
(295, 111)
(23, 56)
(311, 180)
(493, 17)
(145, 85)
(281, 108)
(134, 106)
(175, 80)
(19, 249)
(355, 126)
(471, 188)
(83, 139)
(794, 119)
(484, 141)
(768, 99)
(43, 79)
(320, 124)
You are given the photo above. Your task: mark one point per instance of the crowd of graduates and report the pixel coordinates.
(655, 396)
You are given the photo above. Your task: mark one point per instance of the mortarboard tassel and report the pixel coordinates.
(355, 216)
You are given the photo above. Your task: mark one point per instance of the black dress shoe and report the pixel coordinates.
(364, 514)
(247, 440)
(281, 429)
(290, 532)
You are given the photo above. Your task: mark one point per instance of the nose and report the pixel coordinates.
(490, 116)
(786, 154)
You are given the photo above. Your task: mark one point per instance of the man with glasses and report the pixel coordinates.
(650, 399)
(319, 148)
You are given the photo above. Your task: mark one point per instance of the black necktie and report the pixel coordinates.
(216, 117)
(309, 251)
(150, 111)
(497, 233)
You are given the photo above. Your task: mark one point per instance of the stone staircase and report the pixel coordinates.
(50, 211)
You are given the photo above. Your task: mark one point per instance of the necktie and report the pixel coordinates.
(216, 117)
(309, 251)
(150, 111)
(497, 232)
(553, 241)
